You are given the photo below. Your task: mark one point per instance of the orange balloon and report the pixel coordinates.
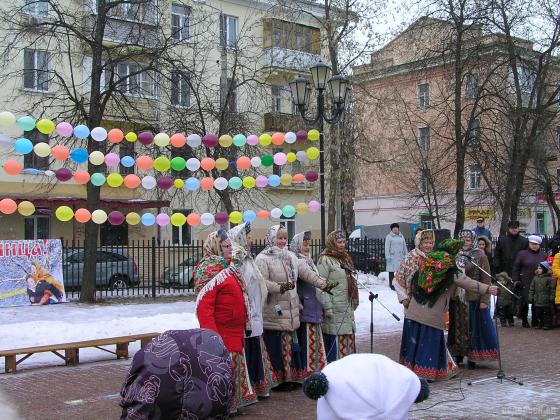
(8, 206)
(115, 135)
(207, 164)
(263, 214)
(60, 152)
(193, 219)
(12, 167)
(278, 139)
(178, 140)
(145, 163)
(82, 215)
(298, 178)
(244, 162)
(132, 181)
(206, 184)
(81, 176)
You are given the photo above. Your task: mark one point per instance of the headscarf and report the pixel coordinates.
(331, 250)
(287, 257)
(212, 243)
(180, 374)
(461, 258)
(213, 261)
(297, 244)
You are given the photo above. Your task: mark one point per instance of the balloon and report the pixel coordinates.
(99, 216)
(26, 123)
(291, 157)
(60, 152)
(81, 176)
(286, 180)
(206, 183)
(256, 162)
(131, 137)
(164, 183)
(277, 139)
(265, 139)
(210, 140)
(301, 156)
(132, 218)
(252, 140)
(149, 182)
(220, 183)
(114, 180)
(8, 206)
(311, 176)
(162, 219)
(97, 179)
(313, 135)
(239, 140)
(194, 140)
(263, 214)
(314, 206)
(267, 160)
(99, 134)
(132, 181)
(298, 178)
(222, 164)
(178, 140)
(280, 158)
(249, 216)
(23, 146)
(301, 135)
(26, 208)
(127, 161)
(249, 182)
(115, 135)
(261, 181)
(12, 167)
(193, 219)
(148, 219)
(79, 155)
(193, 164)
(276, 213)
(301, 208)
(81, 131)
(7, 119)
(161, 139)
(206, 219)
(179, 183)
(243, 163)
(45, 126)
(82, 215)
(235, 183)
(178, 219)
(42, 149)
(274, 180)
(221, 218)
(64, 129)
(49, 173)
(144, 163)
(116, 218)
(162, 164)
(207, 164)
(178, 163)
(235, 217)
(146, 137)
(290, 137)
(63, 174)
(112, 159)
(312, 153)
(192, 184)
(288, 211)
(225, 140)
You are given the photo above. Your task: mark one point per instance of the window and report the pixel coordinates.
(36, 7)
(541, 222)
(276, 98)
(471, 90)
(113, 235)
(473, 135)
(126, 148)
(474, 176)
(231, 95)
(424, 95)
(182, 235)
(180, 89)
(424, 139)
(290, 225)
(278, 37)
(32, 160)
(229, 31)
(138, 11)
(426, 221)
(424, 181)
(527, 78)
(36, 227)
(133, 79)
(36, 70)
(180, 16)
(298, 40)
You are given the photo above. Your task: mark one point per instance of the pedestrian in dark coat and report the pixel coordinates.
(481, 230)
(554, 244)
(504, 302)
(523, 272)
(541, 295)
(508, 247)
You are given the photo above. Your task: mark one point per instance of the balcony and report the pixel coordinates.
(121, 31)
(278, 121)
(289, 59)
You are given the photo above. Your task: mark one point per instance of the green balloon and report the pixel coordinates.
(26, 123)
(235, 183)
(267, 160)
(178, 163)
(288, 211)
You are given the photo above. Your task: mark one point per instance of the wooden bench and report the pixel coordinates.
(72, 350)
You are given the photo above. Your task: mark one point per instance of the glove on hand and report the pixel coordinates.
(284, 287)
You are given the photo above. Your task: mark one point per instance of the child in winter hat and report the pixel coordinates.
(366, 387)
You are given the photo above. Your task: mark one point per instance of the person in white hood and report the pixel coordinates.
(365, 387)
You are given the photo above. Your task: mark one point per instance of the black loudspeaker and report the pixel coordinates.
(441, 234)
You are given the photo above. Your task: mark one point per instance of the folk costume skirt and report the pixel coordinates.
(284, 352)
(243, 393)
(258, 365)
(458, 338)
(312, 347)
(338, 346)
(483, 340)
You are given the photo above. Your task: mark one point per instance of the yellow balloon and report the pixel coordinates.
(99, 216)
(225, 140)
(64, 213)
(162, 164)
(312, 153)
(161, 139)
(7, 119)
(222, 164)
(235, 217)
(132, 218)
(265, 139)
(286, 179)
(291, 157)
(249, 182)
(178, 219)
(313, 135)
(131, 137)
(26, 208)
(301, 208)
(179, 183)
(45, 126)
(42, 149)
(114, 180)
(96, 157)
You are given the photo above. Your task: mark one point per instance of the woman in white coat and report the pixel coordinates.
(395, 251)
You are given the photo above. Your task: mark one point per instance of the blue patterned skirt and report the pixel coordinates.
(483, 340)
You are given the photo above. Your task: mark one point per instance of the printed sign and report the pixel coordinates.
(489, 213)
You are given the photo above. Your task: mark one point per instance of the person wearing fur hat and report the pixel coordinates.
(366, 387)
(395, 251)
(504, 302)
(541, 296)
(508, 247)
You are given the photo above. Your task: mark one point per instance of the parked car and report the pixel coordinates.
(180, 275)
(364, 261)
(115, 269)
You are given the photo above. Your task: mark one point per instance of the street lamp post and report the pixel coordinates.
(301, 90)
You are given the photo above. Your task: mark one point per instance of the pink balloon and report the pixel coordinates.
(252, 140)
(301, 135)
(312, 176)
(64, 129)
(63, 174)
(261, 181)
(210, 140)
(164, 182)
(146, 137)
(116, 218)
(112, 159)
(280, 158)
(162, 219)
(314, 206)
(221, 218)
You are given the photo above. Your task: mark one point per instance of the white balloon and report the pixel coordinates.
(302, 156)
(161, 139)
(255, 162)
(193, 164)
(276, 212)
(96, 157)
(194, 140)
(49, 173)
(220, 183)
(98, 134)
(290, 137)
(206, 219)
(149, 182)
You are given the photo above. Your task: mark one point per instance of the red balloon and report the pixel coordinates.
(210, 140)
(8, 206)
(12, 167)
(132, 181)
(312, 176)
(82, 177)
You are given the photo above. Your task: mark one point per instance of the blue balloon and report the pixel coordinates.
(274, 180)
(23, 146)
(192, 184)
(148, 219)
(81, 131)
(97, 179)
(127, 161)
(79, 155)
(249, 216)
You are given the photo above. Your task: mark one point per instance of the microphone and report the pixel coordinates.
(347, 268)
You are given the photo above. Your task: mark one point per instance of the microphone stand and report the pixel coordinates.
(500, 375)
